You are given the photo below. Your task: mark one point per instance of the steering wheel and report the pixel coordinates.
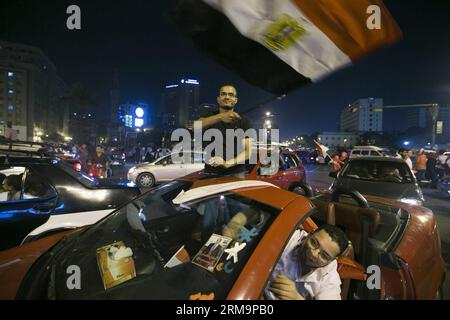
(355, 195)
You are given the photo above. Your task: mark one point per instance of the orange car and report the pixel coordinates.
(168, 242)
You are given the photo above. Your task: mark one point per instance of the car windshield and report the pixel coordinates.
(381, 171)
(178, 250)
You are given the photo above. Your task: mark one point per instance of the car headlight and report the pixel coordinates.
(413, 202)
(133, 169)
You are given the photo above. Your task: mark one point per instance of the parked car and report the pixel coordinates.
(368, 151)
(37, 148)
(146, 175)
(164, 230)
(51, 196)
(380, 176)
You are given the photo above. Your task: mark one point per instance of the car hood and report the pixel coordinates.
(381, 189)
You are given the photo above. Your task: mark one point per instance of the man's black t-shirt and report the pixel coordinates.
(242, 123)
(103, 159)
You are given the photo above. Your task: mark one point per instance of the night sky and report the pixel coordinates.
(137, 37)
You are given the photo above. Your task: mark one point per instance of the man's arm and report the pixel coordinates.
(226, 117)
(243, 156)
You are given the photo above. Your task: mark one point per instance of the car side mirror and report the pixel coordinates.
(164, 163)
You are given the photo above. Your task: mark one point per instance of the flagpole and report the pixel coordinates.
(259, 105)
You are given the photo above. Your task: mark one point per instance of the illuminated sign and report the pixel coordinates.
(139, 112)
(138, 122)
(172, 86)
(190, 81)
(128, 121)
(439, 127)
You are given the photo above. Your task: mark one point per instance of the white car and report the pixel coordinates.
(164, 169)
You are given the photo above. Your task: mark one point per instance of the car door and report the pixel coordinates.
(196, 163)
(167, 170)
(21, 215)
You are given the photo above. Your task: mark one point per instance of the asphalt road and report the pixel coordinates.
(317, 177)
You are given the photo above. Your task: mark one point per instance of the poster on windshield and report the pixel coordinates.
(116, 264)
(211, 252)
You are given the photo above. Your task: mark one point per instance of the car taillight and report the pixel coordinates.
(77, 166)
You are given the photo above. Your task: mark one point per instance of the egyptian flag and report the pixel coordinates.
(280, 45)
(323, 151)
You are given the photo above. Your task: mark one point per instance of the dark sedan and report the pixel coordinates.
(380, 176)
(43, 195)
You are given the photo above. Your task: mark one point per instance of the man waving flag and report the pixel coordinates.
(280, 45)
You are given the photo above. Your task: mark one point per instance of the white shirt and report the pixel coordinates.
(409, 163)
(322, 284)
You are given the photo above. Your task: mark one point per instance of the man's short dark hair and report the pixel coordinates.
(227, 85)
(337, 235)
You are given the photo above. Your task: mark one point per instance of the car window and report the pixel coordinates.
(375, 153)
(288, 160)
(35, 186)
(11, 179)
(21, 183)
(365, 152)
(166, 160)
(356, 152)
(381, 171)
(188, 241)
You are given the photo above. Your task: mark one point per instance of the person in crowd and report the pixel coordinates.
(10, 133)
(222, 119)
(83, 156)
(99, 158)
(406, 155)
(335, 166)
(137, 154)
(431, 173)
(3, 192)
(12, 184)
(421, 164)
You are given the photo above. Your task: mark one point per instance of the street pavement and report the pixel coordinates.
(317, 177)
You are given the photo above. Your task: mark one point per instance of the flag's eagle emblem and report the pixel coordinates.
(283, 33)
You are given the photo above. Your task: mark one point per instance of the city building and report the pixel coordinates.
(134, 118)
(338, 139)
(421, 118)
(363, 115)
(30, 89)
(180, 104)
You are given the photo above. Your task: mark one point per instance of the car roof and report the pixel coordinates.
(263, 193)
(26, 159)
(367, 148)
(203, 191)
(385, 159)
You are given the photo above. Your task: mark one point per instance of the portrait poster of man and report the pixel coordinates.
(211, 252)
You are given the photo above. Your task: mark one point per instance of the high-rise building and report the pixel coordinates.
(421, 118)
(180, 103)
(363, 115)
(30, 89)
